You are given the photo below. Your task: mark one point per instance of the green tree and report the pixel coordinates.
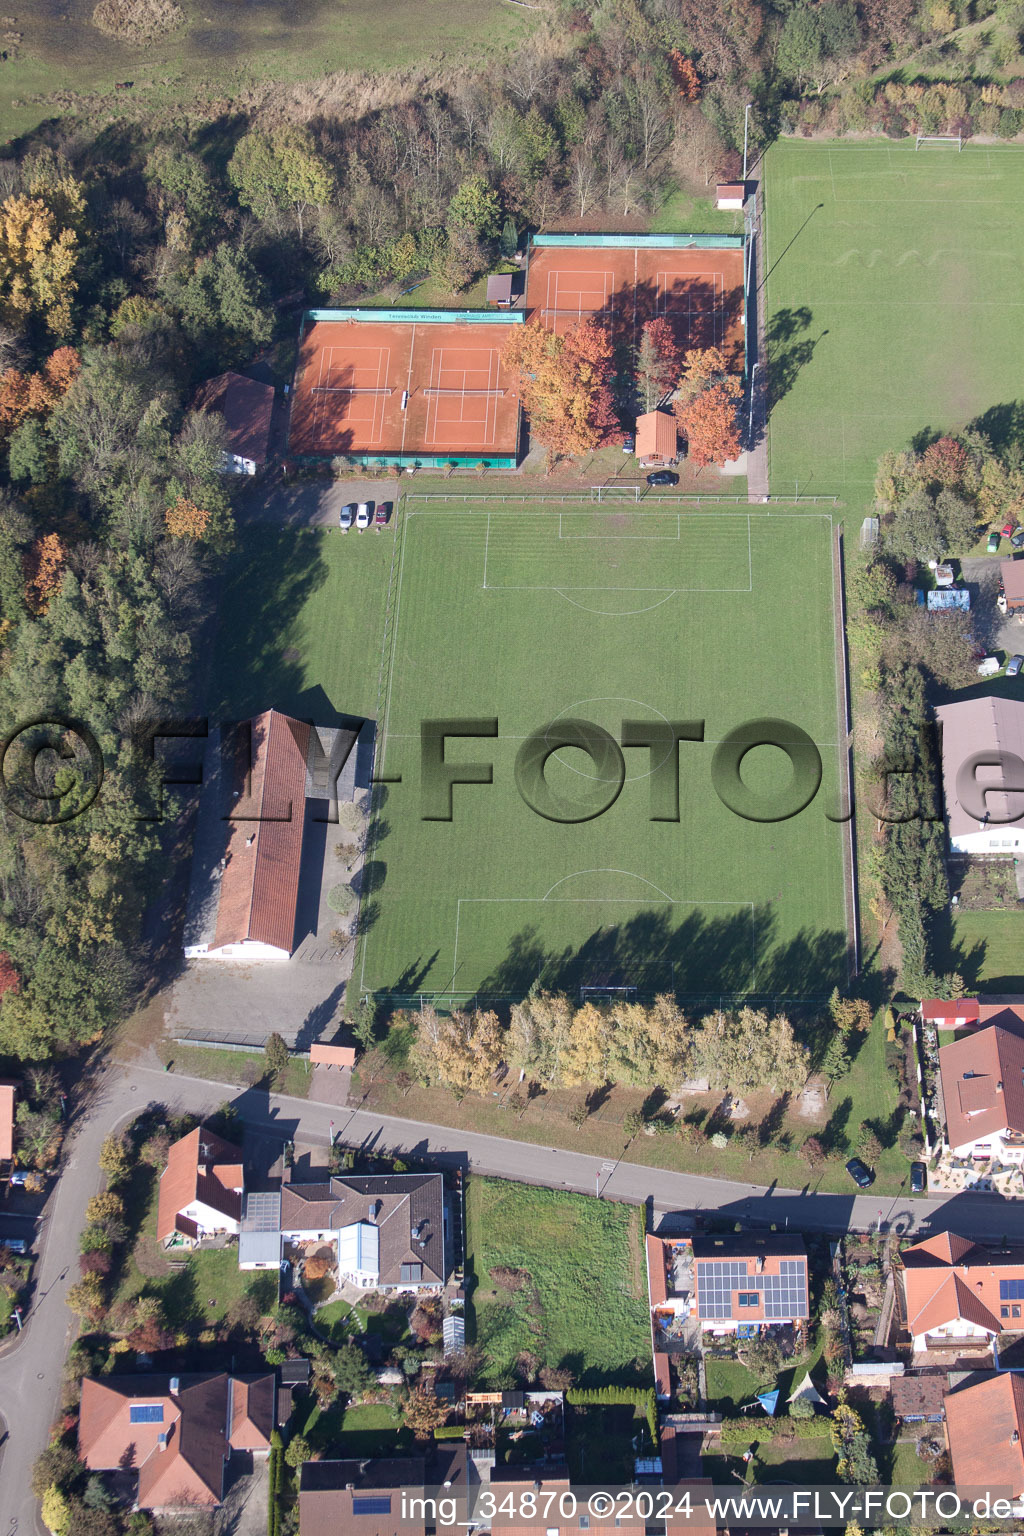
(179, 180)
(508, 240)
(298, 1451)
(763, 1359)
(362, 1020)
(29, 453)
(475, 205)
(280, 169)
(275, 1059)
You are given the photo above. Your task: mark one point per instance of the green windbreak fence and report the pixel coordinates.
(644, 242)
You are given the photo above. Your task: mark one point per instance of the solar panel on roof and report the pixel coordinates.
(1011, 1290)
(146, 1413)
(377, 1504)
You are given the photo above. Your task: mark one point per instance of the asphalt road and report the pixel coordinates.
(30, 1366)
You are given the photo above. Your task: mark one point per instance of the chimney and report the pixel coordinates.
(760, 1263)
(161, 1440)
(999, 1086)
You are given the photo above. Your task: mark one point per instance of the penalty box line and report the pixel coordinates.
(491, 586)
(631, 901)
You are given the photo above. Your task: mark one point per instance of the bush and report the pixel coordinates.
(341, 899)
(801, 1408)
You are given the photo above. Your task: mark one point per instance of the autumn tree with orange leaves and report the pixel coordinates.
(44, 572)
(687, 81)
(564, 384)
(706, 408)
(185, 520)
(33, 394)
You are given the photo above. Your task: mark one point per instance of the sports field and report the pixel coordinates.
(698, 290)
(894, 304)
(417, 386)
(536, 616)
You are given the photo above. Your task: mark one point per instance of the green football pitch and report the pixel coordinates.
(894, 303)
(532, 617)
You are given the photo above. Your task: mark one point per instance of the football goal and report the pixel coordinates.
(939, 141)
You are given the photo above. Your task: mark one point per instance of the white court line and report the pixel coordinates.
(380, 401)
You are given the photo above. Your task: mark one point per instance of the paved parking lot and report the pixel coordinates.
(310, 503)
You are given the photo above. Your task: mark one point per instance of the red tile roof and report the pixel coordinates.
(1006, 1015)
(187, 1466)
(656, 436)
(963, 1010)
(985, 1426)
(253, 1405)
(259, 890)
(982, 1085)
(947, 1277)
(201, 1166)
(8, 1085)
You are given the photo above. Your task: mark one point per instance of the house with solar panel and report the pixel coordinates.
(383, 1232)
(175, 1434)
(744, 1282)
(954, 1291)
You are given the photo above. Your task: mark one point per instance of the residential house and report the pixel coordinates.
(510, 1484)
(955, 1013)
(8, 1092)
(746, 1281)
(382, 1497)
(982, 1080)
(388, 1230)
(985, 1432)
(981, 738)
(175, 1433)
(247, 407)
(1011, 585)
(959, 1292)
(201, 1190)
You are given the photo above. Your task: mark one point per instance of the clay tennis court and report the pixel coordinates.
(421, 388)
(699, 291)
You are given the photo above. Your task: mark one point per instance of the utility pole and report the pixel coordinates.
(746, 118)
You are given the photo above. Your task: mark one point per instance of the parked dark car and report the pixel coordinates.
(663, 477)
(918, 1178)
(380, 517)
(628, 442)
(859, 1172)
(1017, 537)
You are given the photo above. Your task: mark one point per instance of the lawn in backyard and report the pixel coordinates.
(892, 302)
(560, 1276)
(201, 1291)
(533, 617)
(373, 1429)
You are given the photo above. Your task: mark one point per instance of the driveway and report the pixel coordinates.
(244, 1512)
(309, 503)
(996, 633)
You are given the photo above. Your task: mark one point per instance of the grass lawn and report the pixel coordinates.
(535, 616)
(373, 1430)
(730, 1385)
(339, 1319)
(581, 1296)
(232, 1066)
(892, 277)
(907, 1469)
(794, 1461)
(602, 1443)
(685, 212)
(225, 47)
(988, 950)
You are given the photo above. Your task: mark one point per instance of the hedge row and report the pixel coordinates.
(643, 1399)
(738, 1431)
